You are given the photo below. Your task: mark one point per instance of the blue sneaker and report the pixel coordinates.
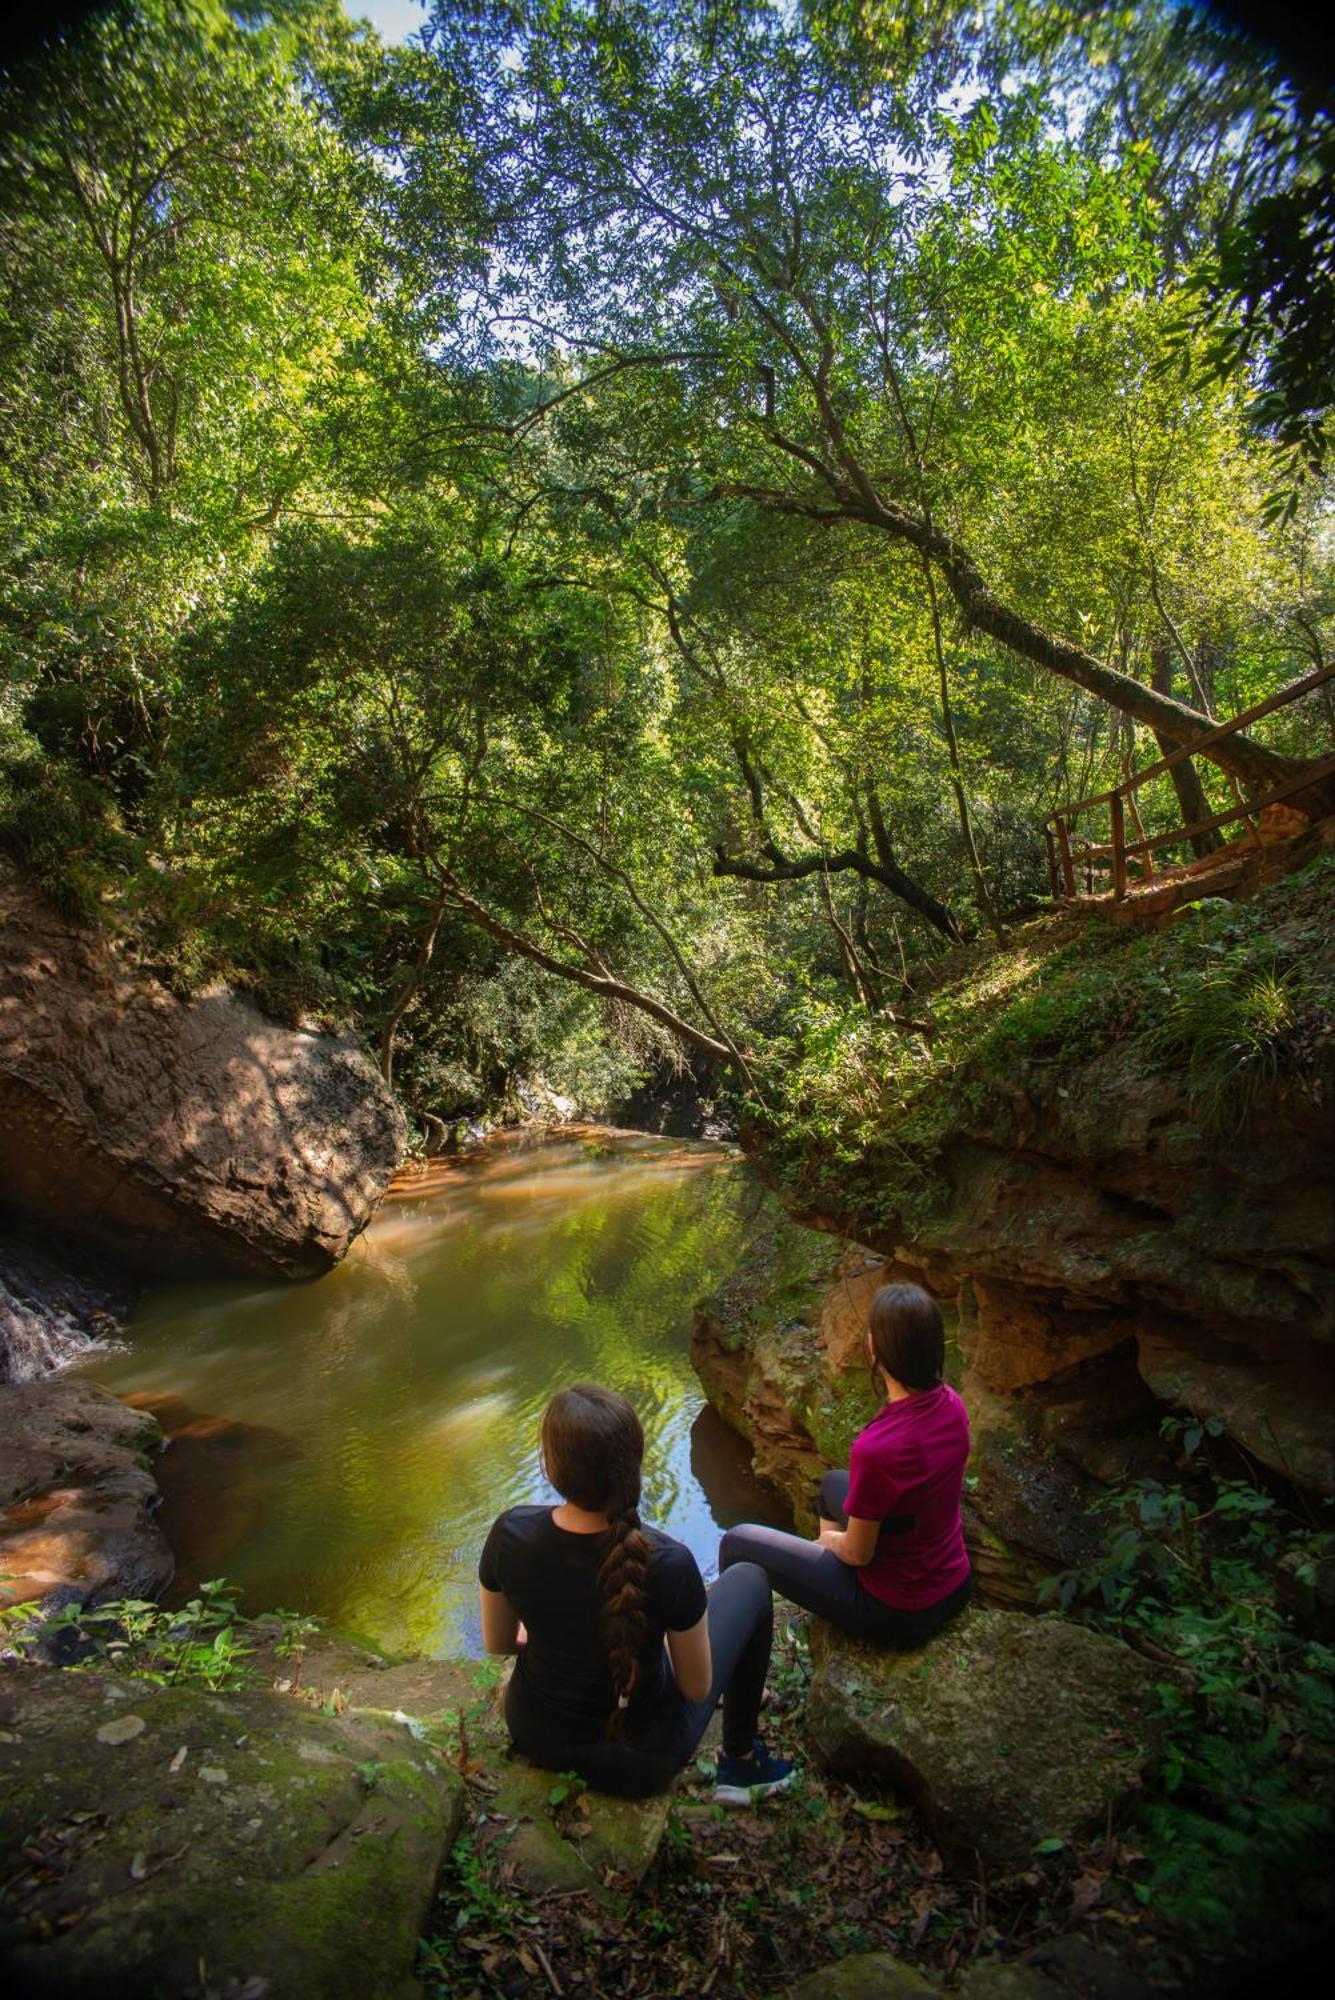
(743, 1781)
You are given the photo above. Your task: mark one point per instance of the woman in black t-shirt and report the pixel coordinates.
(622, 1658)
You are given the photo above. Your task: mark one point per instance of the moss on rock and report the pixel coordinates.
(1007, 1730)
(242, 1833)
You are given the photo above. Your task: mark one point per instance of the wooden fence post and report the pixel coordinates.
(1118, 846)
(1064, 847)
(1053, 882)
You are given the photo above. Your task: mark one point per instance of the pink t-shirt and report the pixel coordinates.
(906, 1470)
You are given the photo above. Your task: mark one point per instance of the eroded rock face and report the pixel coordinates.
(799, 1391)
(164, 1840)
(1091, 1217)
(77, 1497)
(178, 1136)
(1006, 1730)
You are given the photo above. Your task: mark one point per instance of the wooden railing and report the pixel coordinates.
(1071, 856)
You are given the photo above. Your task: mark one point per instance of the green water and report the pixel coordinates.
(343, 1446)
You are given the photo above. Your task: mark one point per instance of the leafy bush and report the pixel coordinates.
(1242, 1799)
(206, 1643)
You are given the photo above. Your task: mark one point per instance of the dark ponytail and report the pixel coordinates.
(593, 1449)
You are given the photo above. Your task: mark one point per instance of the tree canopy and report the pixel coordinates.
(603, 530)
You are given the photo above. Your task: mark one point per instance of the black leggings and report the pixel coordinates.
(741, 1631)
(812, 1576)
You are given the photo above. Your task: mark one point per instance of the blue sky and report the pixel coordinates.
(394, 19)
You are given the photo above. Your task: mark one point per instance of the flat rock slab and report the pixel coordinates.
(1007, 1730)
(169, 1842)
(76, 1496)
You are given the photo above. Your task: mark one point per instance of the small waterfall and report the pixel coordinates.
(36, 1339)
(57, 1300)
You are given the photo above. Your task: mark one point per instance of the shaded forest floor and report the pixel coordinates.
(741, 1904)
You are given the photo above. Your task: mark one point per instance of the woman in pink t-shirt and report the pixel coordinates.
(889, 1563)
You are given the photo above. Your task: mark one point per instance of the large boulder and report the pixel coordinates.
(1007, 1730)
(181, 1136)
(165, 1840)
(76, 1496)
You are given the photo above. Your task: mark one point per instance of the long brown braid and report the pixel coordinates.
(593, 1450)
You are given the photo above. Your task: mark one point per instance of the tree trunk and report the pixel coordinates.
(1191, 799)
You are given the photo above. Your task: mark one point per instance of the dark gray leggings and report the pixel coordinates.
(741, 1631)
(814, 1577)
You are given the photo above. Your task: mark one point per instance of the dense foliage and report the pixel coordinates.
(599, 532)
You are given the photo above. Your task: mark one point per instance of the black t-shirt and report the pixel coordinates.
(561, 1692)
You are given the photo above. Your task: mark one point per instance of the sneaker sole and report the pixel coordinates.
(749, 1795)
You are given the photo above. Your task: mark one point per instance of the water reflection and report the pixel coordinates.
(343, 1446)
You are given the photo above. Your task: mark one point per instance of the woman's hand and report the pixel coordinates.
(855, 1544)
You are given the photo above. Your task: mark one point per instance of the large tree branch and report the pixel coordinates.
(985, 612)
(605, 985)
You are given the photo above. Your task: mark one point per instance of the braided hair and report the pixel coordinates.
(593, 1449)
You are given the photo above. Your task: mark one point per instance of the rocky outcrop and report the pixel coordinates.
(180, 1136)
(794, 1383)
(1005, 1730)
(1114, 1152)
(165, 1840)
(1094, 1219)
(76, 1497)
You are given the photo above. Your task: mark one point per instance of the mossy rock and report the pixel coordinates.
(1007, 1730)
(588, 1842)
(163, 1841)
(872, 1975)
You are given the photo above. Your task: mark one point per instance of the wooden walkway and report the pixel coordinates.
(1088, 872)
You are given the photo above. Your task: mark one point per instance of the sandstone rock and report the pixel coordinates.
(1006, 1730)
(178, 1136)
(304, 1864)
(1029, 1495)
(760, 1390)
(1275, 1395)
(846, 1309)
(76, 1496)
(1016, 1337)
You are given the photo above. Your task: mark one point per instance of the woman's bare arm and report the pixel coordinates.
(500, 1621)
(855, 1544)
(692, 1667)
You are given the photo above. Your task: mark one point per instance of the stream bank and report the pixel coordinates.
(164, 1136)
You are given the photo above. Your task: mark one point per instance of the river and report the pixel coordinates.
(341, 1447)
